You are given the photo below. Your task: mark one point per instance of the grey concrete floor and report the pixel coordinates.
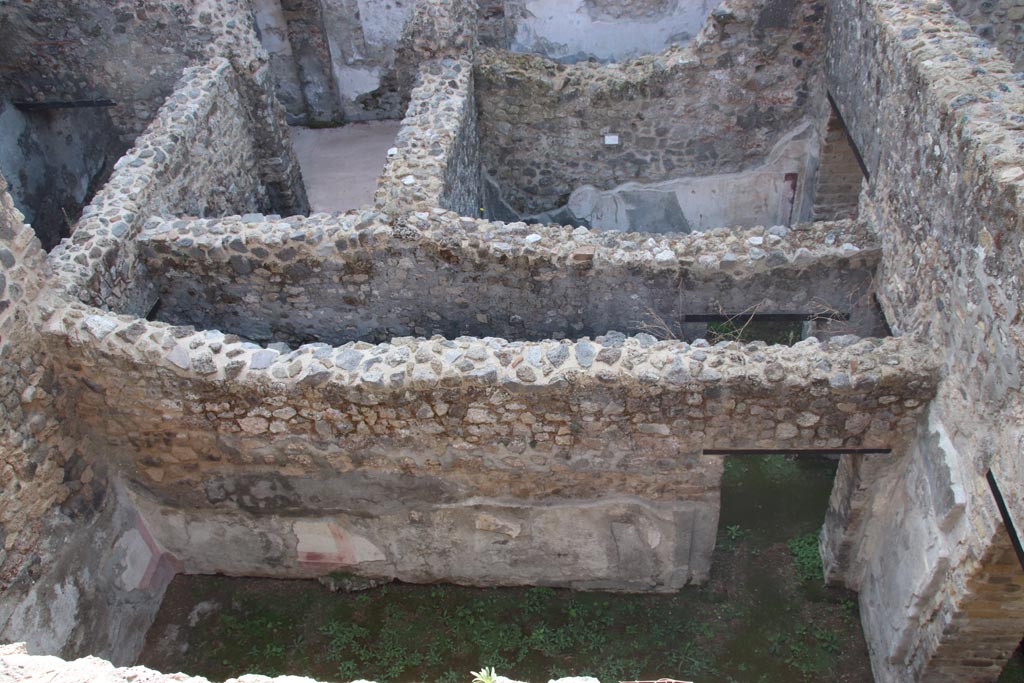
(340, 166)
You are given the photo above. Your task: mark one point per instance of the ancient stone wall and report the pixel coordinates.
(772, 192)
(309, 36)
(341, 59)
(437, 152)
(272, 26)
(69, 576)
(246, 460)
(335, 279)
(127, 51)
(717, 106)
(357, 60)
(1000, 22)
(938, 118)
(364, 38)
(200, 156)
(27, 409)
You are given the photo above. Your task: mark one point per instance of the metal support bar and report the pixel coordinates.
(763, 317)
(797, 451)
(1011, 529)
(29, 105)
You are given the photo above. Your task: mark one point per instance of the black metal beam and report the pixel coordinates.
(797, 451)
(30, 105)
(763, 317)
(1011, 529)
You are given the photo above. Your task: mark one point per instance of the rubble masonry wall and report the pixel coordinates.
(938, 118)
(200, 156)
(335, 279)
(249, 461)
(716, 106)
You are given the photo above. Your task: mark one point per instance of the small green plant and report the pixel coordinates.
(829, 641)
(484, 675)
(734, 532)
(804, 549)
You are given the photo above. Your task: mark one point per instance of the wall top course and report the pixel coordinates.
(843, 364)
(323, 237)
(971, 85)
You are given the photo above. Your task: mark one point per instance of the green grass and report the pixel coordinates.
(408, 633)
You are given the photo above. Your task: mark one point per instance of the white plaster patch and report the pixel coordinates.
(956, 474)
(273, 26)
(355, 81)
(383, 21)
(135, 558)
(327, 543)
(565, 29)
(46, 619)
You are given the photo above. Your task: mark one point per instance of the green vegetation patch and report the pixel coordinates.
(806, 558)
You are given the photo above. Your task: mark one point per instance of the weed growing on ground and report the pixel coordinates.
(806, 559)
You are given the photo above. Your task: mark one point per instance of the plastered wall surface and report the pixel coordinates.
(598, 29)
(54, 161)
